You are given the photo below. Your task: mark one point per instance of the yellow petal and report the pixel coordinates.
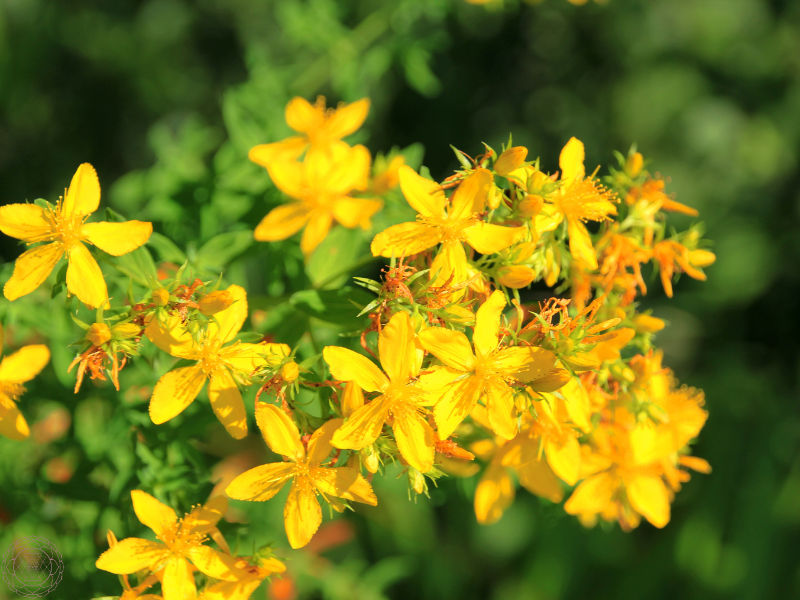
(279, 431)
(344, 482)
(12, 424)
(564, 458)
(414, 438)
(352, 399)
(510, 160)
(25, 364)
(347, 118)
(285, 150)
(261, 483)
(470, 195)
(84, 277)
(487, 323)
(450, 347)
(174, 392)
(178, 580)
(346, 365)
(405, 239)
(537, 477)
(246, 358)
(548, 219)
(131, 555)
(571, 160)
(230, 321)
(319, 446)
(289, 176)
(319, 223)
(593, 495)
(424, 196)
(207, 516)
(226, 400)
(551, 381)
(24, 221)
(649, 496)
(525, 363)
(83, 195)
(494, 494)
(578, 404)
(349, 172)
(282, 222)
(303, 116)
(499, 401)
(580, 244)
(455, 404)
(516, 276)
(157, 516)
(117, 238)
(355, 212)
(434, 380)
(171, 337)
(302, 514)
(450, 266)
(31, 269)
(396, 348)
(488, 239)
(363, 427)
(213, 563)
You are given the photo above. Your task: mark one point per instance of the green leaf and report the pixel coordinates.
(139, 265)
(342, 248)
(340, 306)
(166, 248)
(223, 248)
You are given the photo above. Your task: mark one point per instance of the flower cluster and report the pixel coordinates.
(454, 368)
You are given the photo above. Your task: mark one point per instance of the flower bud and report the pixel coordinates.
(531, 205)
(416, 480)
(126, 331)
(701, 258)
(98, 334)
(516, 276)
(582, 361)
(553, 381)
(369, 458)
(648, 324)
(510, 159)
(522, 402)
(160, 297)
(494, 197)
(215, 302)
(290, 371)
(634, 164)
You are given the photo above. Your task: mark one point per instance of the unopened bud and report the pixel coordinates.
(634, 164)
(494, 197)
(582, 361)
(98, 334)
(531, 205)
(516, 276)
(126, 331)
(648, 324)
(510, 159)
(553, 381)
(215, 302)
(369, 458)
(522, 402)
(416, 480)
(290, 371)
(701, 258)
(160, 297)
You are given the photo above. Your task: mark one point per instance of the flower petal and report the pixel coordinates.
(405, 239)
(355, 212)
(525, 363)
(206, 517)
(414, 438)
(346, 365)
(178, 580)
(349, 172)
(494, 494)
(174, 392)
(396, 348)
(226, 400)
(279, 431)
(131, 555)
(450, 267)
(117, 238)
(25, 364)
(213, 562)
(537, 477)
(157, 516)
(289, 176)
(488, 239)
(317, 228)
(593, 495)
(499, 401)
(580, 244)
(12, 424)
(230, 320)
(564, 457)
(347, 119)
(649, 496)
(455, 404)
(282, 222)
(31, 269)
(303, 116)
(302, 514)
(424, 196)
(84, 277)
(285, 150)
(24, 221)
(571, 160)
(487, 323)
(470, 195)
(172, 337)
(246, 358)
(344, 482)
(260, 483)
(450, 347)
(83, 195)
(319, 446)
(352, 399)
(363, 427)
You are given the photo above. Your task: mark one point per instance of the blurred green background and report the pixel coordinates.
(165, 97)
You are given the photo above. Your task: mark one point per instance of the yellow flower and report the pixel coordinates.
(219, 364)
(401, 402)
(578, 199)
(302, 514)
(181, 543)
(320, 186)
(63, 230)
(22, 366)
(669, 254)
(435, 225)
(486, 374)
(322, 129)
(215, 302)
(249, 577)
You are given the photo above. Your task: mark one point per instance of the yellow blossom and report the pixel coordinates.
(670, 254)
(179, 550)
(302, 514)
(64, 231)
(215, 302)
(485, 374)
(321, 129)
(402, 400)
(217, 363)
(22, 366)
(451, 227)
(321, 188)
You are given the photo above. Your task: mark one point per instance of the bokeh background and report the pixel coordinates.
(165, 97)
